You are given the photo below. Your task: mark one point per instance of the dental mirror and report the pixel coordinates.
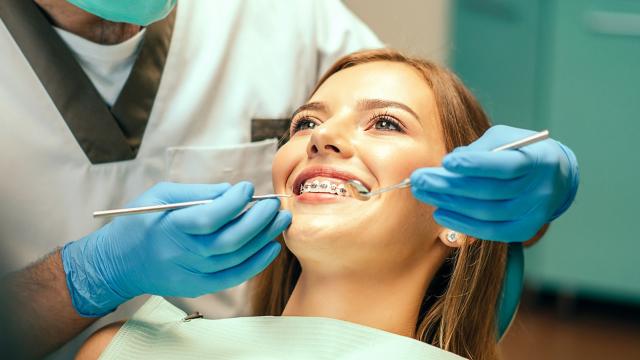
(360, 192)
(357, 190)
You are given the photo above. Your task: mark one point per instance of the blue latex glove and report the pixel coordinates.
(186, 252)
(504, 196)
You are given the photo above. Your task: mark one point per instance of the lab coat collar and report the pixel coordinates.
(105, 135)
(132, 108)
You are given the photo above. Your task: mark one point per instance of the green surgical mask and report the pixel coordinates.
(139, 12)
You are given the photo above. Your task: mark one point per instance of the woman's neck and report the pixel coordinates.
(388, 301)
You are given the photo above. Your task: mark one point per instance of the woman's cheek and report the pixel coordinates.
(285, 160)
(394, 162)
(278, 170)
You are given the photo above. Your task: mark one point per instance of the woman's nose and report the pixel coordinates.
(330, 139)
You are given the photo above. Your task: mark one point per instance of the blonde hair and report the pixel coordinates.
(458, 312)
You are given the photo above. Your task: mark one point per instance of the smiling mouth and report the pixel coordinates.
(323, 180)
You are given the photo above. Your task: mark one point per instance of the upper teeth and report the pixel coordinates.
(324, 186)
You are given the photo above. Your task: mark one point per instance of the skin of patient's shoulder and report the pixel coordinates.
(98, 341)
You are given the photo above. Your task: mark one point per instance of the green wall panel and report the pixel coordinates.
(583, 83)
(494, 52)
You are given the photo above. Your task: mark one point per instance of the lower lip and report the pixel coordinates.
(320, 197)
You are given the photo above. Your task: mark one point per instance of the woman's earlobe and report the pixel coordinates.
(452, 238)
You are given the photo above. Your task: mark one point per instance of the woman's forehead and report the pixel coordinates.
(384, 80)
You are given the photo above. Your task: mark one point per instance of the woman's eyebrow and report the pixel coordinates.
(318, 106)
(370, 104)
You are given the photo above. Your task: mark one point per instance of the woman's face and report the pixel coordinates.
(376, 123)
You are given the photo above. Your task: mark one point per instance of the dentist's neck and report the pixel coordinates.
(75, 20)
(386, 300)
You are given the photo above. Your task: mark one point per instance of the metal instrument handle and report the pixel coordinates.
(156, 208)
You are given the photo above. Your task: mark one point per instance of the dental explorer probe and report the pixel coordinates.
(360, 192)
(164, 207)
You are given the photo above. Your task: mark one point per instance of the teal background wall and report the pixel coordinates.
(573, 67)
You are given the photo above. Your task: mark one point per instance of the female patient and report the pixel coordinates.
(356, 279)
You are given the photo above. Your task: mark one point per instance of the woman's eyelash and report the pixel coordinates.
(392, 124)
(299, 124)
(376, 118)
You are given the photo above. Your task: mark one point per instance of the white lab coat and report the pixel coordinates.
(229, 62)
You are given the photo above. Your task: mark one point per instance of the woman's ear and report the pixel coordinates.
(454, 239)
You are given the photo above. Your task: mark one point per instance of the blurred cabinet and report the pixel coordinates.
(571, 66)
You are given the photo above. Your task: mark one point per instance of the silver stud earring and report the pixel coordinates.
(452, 236)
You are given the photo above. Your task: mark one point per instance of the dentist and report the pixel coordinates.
(103, 100)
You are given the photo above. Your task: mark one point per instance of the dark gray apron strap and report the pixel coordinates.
(77, 100)
(133, 107)
(71, 91)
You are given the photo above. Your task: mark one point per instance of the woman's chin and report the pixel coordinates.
(319, 230)
(325, 228)
(314, 225)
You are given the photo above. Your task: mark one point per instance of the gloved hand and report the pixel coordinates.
(504, 196)
(186, 252)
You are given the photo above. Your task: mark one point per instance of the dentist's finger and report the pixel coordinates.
(442, 181)
(235, 234)
(240, 273)
(242, 229)
(167, 192)
(498, 135)
(503, 231)
(216, 263)
(485, 210)
(205, 219)
(507, 164)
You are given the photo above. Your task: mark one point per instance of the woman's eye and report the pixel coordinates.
(388, 124)
(303, 124)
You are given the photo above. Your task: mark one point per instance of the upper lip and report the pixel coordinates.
(323, 171)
